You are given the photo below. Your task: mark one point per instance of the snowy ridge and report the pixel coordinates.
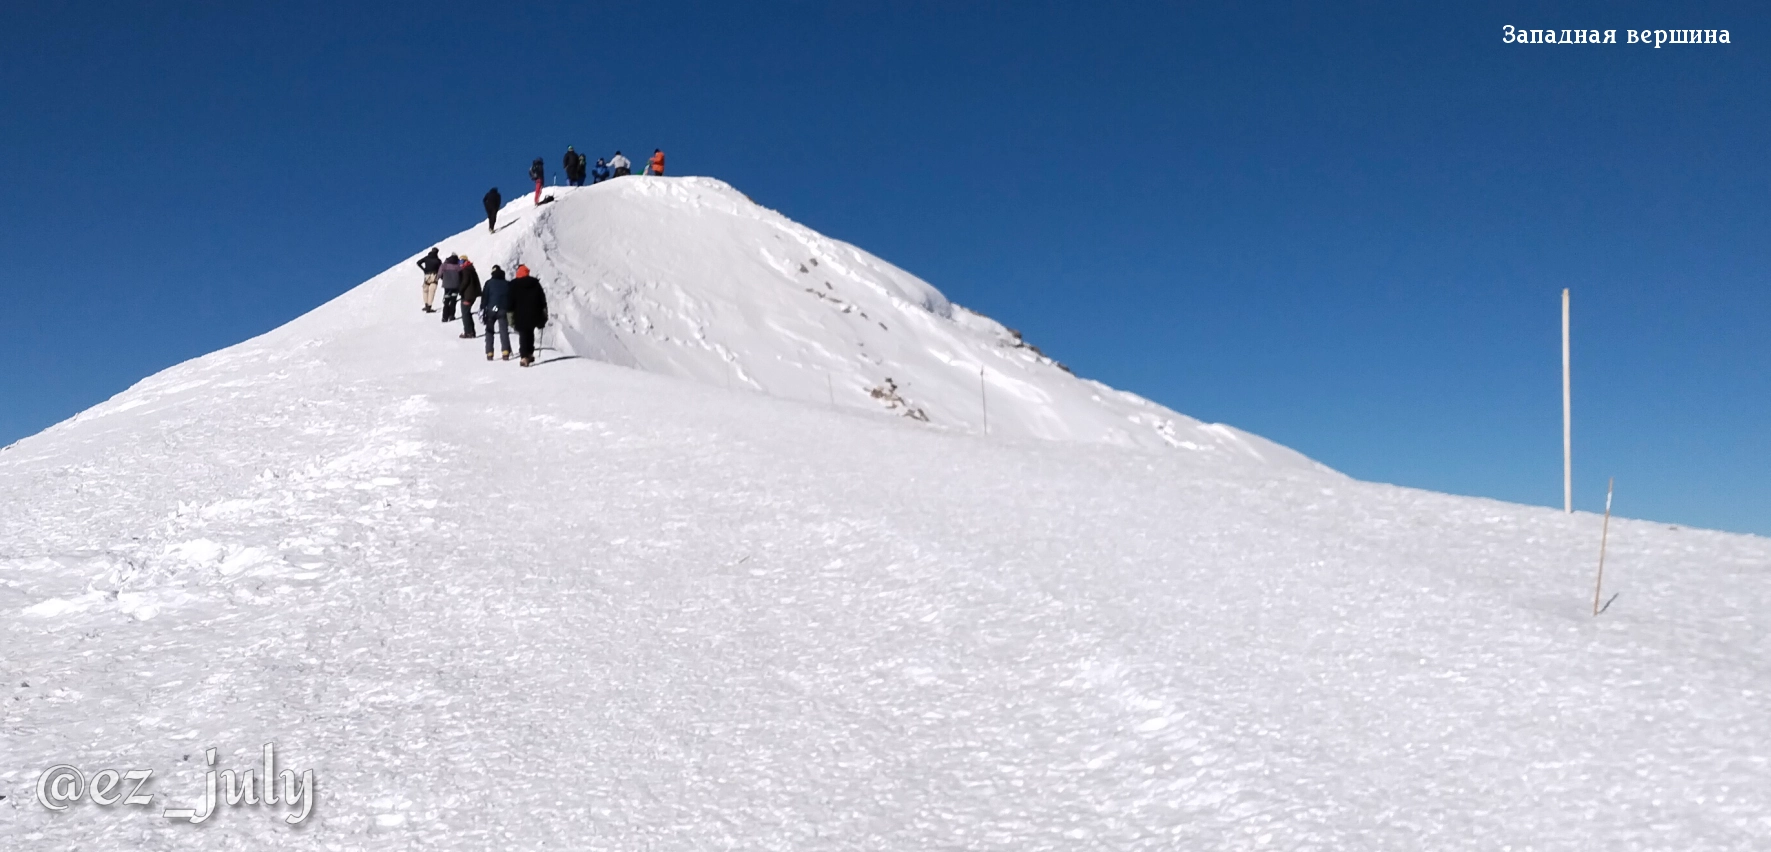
(687, 277)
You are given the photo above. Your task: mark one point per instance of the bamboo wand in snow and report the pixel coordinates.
(983, 401)
(1604, 532)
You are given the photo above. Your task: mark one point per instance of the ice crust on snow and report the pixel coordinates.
(667, 596)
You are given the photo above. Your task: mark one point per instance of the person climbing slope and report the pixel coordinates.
(470, 293)
(528, 311)
(493, 201)
(430, 263)
(538, 174)
(656, 165)
(451, 275)
(600, 173)
(620, 165)
(495, 310)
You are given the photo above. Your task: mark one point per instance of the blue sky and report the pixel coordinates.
(1344, 226)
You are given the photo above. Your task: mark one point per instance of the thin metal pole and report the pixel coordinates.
(1604, 532)
(1567, 417)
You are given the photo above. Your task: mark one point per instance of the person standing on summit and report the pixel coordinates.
(621, 165)
(493, 201)
(430, 263)
(656, 165)
(538, 174)
(574, 165)
(528, 311)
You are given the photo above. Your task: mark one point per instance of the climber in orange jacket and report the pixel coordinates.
(656, 166)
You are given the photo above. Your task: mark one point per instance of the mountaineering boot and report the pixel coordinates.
(525, 362)
(488, 356)
(507, 354)
(468, 336)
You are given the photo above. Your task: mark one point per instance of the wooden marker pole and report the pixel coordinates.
(1567, 418)
(1604, 532)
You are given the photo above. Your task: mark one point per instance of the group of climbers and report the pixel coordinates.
(578, 168)
(620, 166)
(576, 171)
(518, 303)
(614, 167)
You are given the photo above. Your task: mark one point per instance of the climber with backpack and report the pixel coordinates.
(450, 273)
(470, 293)
(528, 312)
(495, 310)
(656, 165)
(538, 174)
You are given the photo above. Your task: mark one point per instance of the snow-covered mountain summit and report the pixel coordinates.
(688, 277)
(584, 606)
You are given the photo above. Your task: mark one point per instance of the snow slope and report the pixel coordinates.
(687, 277)
(582, 606)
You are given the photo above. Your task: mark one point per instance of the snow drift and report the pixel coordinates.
(585, 606)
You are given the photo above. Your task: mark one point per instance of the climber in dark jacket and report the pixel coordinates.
(574, 165)
(470, 293)
(495, 310)
(430, 263)
(528, 311)
(538, 174)
(493, 202)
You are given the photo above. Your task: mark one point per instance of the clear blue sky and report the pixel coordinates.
(1344, 226)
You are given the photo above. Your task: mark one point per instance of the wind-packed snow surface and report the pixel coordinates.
(582, 606)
